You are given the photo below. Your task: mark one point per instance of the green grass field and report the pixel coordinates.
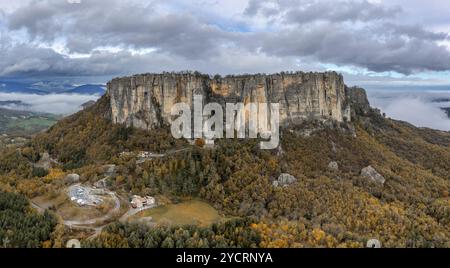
(32, 123)
(193, 212)
(25, 123)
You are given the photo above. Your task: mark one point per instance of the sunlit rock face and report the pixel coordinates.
(145, 101)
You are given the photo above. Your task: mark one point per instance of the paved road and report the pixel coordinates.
(104, 218)
(88, 224)
(38, 208)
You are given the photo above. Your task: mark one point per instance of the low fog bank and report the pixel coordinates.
(421, 108)
(61, 104)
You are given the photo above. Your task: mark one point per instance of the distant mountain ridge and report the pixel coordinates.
(41, 88)
(17, 87)
(88, 90)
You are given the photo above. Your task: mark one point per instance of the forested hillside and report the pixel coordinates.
(20, 227)
(324, 207)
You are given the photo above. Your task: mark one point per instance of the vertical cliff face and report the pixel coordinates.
(145, 101)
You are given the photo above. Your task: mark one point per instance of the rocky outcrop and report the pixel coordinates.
(73, 178)
(284, 180)
(373, 175)
(109, 170)
(357, 99)
(102, 184)
(145, 101)
(46, 162)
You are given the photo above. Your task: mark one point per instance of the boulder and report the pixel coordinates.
(73, 178)
(373, 243)
(73, 243)
(109, 170)
(284, 180)
(371, 174)
(333, 165)
(44, 162)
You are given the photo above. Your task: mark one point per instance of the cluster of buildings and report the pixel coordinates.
(142, 156)
(149, 155)
(125, 154)
(207, 143)
(141, 202)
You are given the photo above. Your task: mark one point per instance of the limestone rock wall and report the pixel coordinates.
(145, 101)
(357, 99)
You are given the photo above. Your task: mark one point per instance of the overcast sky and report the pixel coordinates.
(370, 42)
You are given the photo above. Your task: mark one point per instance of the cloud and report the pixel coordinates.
(52, 103)
(372, 80)
(419, 113)
(96, 23)
(415, 107)
(377, 50)
(110, 37)
(301, 12)
(415, 31)
(28, 61)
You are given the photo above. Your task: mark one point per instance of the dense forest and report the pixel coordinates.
(20, 227)
(235, 233)
(323, 208)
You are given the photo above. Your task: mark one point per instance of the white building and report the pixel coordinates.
(140, 202)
